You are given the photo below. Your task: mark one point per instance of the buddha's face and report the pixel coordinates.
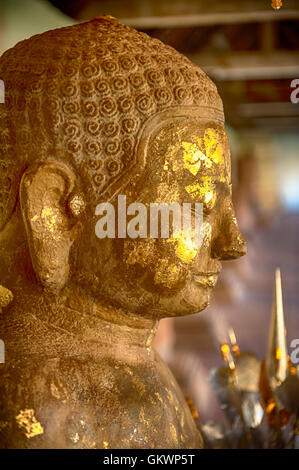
(188, 161)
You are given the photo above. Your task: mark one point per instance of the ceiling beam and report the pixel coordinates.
(274, 124)
(148, 14)
(208, 19)
(267, 109)
(248, 65)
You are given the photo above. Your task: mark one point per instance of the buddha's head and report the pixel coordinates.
(98, 110)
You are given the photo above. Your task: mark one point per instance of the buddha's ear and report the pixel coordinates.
(47, 194)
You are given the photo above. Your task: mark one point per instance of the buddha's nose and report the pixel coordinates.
(229, 243)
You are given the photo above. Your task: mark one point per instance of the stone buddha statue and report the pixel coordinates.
(93, 111)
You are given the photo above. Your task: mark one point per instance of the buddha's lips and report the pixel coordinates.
(206, 280)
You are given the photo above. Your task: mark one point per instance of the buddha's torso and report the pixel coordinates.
(74, 402)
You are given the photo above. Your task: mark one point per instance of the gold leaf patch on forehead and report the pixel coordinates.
(205, 152)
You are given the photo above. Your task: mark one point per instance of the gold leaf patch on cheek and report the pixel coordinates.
(186, 247)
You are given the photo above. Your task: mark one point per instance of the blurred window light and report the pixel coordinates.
(287, 170)
(290, 195)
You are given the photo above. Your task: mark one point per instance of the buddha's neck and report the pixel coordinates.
(75, 321)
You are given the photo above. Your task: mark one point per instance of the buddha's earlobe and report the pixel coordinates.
(51, 225)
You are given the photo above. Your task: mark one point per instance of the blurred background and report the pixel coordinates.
(251, 52)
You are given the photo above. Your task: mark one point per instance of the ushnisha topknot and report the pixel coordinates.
(82, 94)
